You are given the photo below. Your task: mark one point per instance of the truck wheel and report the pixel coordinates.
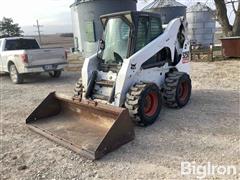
(14, 75)
(78, 90)
(55, 74)
(144, 102)
(177, 89)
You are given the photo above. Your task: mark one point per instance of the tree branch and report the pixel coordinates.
(233, 5)
(221, 11)
(236, 24)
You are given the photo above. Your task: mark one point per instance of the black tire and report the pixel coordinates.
(91, 84)
(55, 74)
(177, 89)
(78, 90)
(14, 75)
(144, 102)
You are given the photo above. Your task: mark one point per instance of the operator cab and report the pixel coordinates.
(125, 33)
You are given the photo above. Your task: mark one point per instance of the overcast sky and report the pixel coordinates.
(54, 15)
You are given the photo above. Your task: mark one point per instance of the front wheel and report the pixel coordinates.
(55, 74)
(14, 75)
(144, 102)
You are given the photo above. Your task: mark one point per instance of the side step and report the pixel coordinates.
(105, 83)
(108, 84)
(100, 96)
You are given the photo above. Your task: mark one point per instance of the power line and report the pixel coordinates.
(38, 26)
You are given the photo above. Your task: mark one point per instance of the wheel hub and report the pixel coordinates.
(13, 74)
(151, 104)
(183, 91)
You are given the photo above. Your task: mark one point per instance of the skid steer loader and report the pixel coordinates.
(139, 65)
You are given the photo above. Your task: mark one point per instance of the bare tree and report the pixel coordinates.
(221, 12)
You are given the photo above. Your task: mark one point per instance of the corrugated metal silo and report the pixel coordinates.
(169, 9)
(201, 24)
(87, 28)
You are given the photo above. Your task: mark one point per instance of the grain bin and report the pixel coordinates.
(201, 24)
(168, 9)
(87, 28)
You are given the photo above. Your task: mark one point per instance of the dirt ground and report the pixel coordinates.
(206, 130)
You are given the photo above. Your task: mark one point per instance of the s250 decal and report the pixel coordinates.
(185, 57)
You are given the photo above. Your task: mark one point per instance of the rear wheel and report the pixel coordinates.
(177, 89)
(55, 74)
(14, 75)
(144, 102)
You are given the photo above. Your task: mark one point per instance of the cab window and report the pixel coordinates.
(156, 28)
(142, 34)
(148, 29)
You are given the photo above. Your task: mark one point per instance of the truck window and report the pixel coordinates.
(21, 44)
(0, 44)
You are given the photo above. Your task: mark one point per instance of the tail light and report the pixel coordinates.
(24, 58)
(66, 56)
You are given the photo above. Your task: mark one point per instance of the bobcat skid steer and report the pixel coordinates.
(140, 65)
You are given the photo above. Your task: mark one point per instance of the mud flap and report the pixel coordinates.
(89, 128)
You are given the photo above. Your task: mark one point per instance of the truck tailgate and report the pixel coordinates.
(46, 56)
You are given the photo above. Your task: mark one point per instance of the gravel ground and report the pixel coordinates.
(206, 130)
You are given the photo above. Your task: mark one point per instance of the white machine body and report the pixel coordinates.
(131, 70)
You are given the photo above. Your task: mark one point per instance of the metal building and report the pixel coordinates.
(201, 24)
(87, 28)
(169, 9)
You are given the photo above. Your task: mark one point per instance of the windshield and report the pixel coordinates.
(116, 36)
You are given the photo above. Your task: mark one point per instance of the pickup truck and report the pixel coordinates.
(22, 55)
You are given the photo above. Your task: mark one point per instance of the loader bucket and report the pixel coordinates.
(89, 128)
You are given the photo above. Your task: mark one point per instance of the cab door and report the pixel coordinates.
(150, 28)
